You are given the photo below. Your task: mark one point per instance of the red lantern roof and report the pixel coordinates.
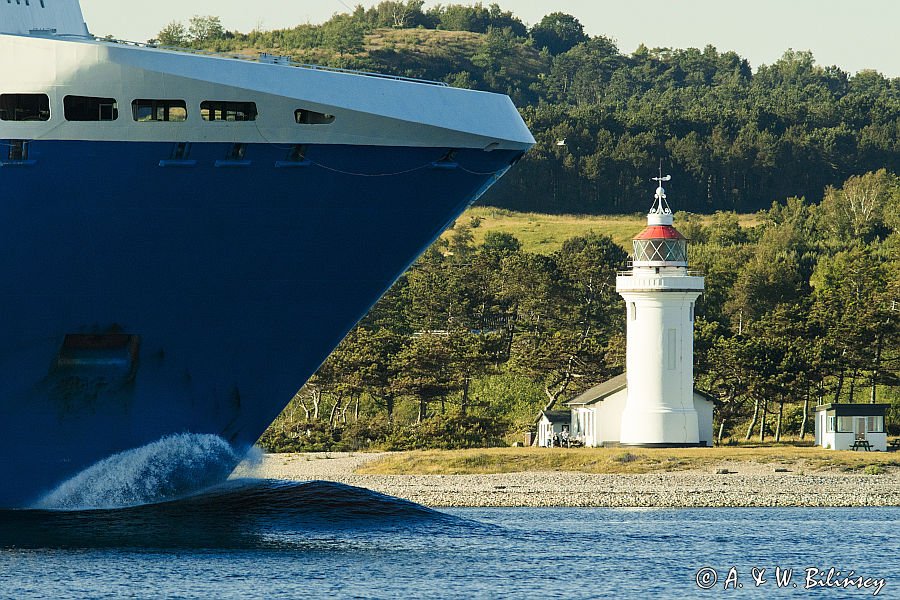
(659, 232)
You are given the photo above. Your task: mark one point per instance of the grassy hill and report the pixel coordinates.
(544, 234)
(423, 53)
(439, 55)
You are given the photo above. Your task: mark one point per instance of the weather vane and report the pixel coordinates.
(660, 206)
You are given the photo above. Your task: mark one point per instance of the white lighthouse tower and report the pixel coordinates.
(660, 293)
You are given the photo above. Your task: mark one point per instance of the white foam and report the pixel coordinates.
(251, 465)
(169, 468)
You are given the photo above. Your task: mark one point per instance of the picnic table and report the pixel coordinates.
(894, 444)
(861, 445)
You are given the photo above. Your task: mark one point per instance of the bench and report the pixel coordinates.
(861, 445)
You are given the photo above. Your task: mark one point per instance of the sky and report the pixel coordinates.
(852, 35)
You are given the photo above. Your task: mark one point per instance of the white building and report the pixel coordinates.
(841, 426)
(551, 423)
(660, 293)
(597, 414)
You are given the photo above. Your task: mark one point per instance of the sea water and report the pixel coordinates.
(272, 539)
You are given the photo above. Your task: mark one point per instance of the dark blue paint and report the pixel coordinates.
(239, 282)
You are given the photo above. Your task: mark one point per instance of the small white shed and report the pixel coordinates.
(550, 424)
(843, 426)
(597, 413)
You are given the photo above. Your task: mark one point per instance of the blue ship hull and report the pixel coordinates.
(145, 297)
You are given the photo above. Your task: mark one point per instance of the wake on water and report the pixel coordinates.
(174, 493)
(164, 470)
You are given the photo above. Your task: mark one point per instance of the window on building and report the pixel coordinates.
(24, 107)
(660, 250)
(845, 424)
(145, 111)
(215, 110)
(831, 424)
(88, 108)
(632, 311)
(875, 424)
(311, 117)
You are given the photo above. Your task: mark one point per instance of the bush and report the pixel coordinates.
(312, 436)
(362, 435)
(449, 433)
(446, 433)
(873, 470)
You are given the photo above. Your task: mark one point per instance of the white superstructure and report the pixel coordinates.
(660, 294)
(51, 57)
(42, 17)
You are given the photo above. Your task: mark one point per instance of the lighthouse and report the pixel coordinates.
(660, 294)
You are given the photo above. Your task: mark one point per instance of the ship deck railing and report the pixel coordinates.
(266, 58)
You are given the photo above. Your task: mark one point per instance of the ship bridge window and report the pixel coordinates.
(145, 111)
(228, 111)
(311, 117)
(88, 108)
(24, 107)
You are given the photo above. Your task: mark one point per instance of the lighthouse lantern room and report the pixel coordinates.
(660, 294)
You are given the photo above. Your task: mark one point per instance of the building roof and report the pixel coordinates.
(659, 232)
(706, 395)
(598, 393)
(557, 416)
(855, 409)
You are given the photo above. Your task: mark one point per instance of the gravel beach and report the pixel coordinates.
(746, 484)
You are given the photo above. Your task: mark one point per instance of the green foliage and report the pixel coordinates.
(558, 32)
(322, 437)
(343, 35)
(449, 433)
(302, 437)
(508, 396)
(173, 34)
(394, 14)
(475, 18)
(445, 433)
(809, 314)
(202, 30)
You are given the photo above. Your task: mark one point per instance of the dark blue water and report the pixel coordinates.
(263, 539)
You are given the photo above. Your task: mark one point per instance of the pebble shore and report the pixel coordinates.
(745, 485)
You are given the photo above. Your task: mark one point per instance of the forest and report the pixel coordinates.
(737, 137)
(801, 308)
